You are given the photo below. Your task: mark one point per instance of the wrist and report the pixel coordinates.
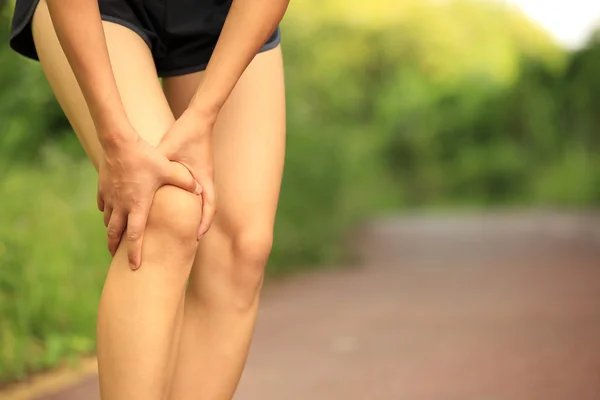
(206, 114)
(115, 134)
(204, 109)
(116, 142)
(110, 119)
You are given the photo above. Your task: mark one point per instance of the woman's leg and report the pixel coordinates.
(222, 299)
(137, 313)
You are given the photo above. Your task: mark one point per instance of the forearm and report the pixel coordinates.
(79, 29)
(247, 27)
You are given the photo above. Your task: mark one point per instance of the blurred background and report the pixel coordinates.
(446, 152)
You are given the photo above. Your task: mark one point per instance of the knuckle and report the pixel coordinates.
(136, 203)
(112, 233)
(133, 236)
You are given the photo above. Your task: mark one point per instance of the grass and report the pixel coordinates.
(51, 264)
(53, 257)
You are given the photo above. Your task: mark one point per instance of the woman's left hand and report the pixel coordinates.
(189, 142)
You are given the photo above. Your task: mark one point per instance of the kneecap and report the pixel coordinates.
(175, 215)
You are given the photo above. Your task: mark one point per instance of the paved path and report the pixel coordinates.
(482, 308)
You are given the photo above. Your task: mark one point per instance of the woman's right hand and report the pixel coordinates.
(129, 176)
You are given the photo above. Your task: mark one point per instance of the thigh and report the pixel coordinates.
(249, 143)
(134, 71)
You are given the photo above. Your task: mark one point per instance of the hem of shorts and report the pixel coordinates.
(129, 25)
(169, 73)
(272, 44)
(18, 30)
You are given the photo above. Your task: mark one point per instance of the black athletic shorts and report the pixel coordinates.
(181, 34)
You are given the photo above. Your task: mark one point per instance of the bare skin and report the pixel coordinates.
(137, 309)
(222, 298)
(130, 169)
(155, 340)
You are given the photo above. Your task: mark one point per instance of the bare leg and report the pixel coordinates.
(137, 315)
(222, 299)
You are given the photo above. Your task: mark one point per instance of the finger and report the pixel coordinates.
(180, 176)
(100, 201)
(115, 229)
(107, 214)
(136, 225)
(208, 205)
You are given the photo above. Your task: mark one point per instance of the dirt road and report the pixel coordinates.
(473, 308)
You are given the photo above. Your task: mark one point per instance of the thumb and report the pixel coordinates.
(180, 176)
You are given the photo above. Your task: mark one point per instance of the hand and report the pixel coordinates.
(189, 142)
(128, 178)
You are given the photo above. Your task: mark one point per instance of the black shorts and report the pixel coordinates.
(181, 34)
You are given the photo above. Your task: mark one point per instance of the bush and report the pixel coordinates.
(52, 263)
(428, 104)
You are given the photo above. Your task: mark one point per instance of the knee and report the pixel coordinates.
(173, 221)
(249, 251)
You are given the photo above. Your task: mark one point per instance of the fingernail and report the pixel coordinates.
(133, 265)
(198, 189)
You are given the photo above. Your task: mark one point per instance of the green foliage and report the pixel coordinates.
(30, 117)
(52, 263)
(391, 105)
(456, 103)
